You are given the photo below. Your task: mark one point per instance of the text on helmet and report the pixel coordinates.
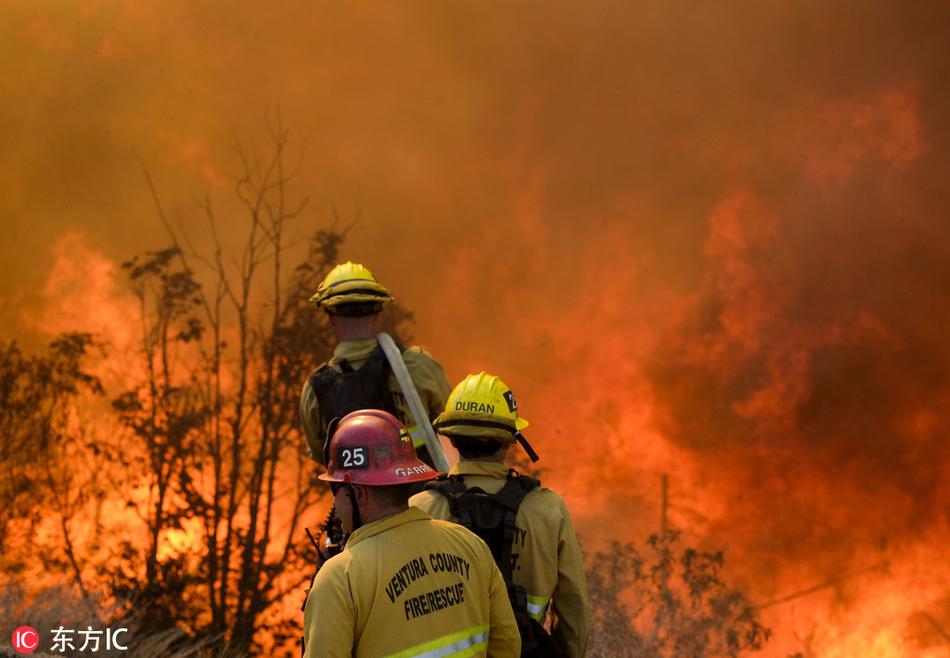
(354, 457)
(412, 470)
(474, 407)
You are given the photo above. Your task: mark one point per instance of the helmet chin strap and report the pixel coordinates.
(527, 446)
(354, 507)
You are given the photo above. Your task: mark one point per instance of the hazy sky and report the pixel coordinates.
(708, 238)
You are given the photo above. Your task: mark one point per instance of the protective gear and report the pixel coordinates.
(482, 406)
(343, 391)
(351, 289)
(546, 557)
(372, 448)
(492, 517)
(406, 585)
(426, 375)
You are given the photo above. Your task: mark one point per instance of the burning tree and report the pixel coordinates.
(224, 485)
(214, 419)
(679, 606)
(192, 513)
(37, 436)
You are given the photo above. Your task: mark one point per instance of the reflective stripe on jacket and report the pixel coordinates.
(407, 585)
(470, 642)
(425, 372)
(546, 554)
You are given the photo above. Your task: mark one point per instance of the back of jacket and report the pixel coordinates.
(546, 555)
(407, 585)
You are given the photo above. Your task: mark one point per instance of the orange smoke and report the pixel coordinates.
(796, 395)
(697, 241)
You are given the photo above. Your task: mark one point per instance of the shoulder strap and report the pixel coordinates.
(510, 497)
(447, 485)
(516, 488)
(320, 379)
(453, 488)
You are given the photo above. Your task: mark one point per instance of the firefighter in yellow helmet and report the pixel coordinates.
(527, 526)
(405, 584)
(358, 376)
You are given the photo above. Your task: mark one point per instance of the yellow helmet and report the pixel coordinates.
(351, 289)
(481, 406)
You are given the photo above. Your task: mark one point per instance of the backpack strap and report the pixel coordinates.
(450, 486)
(318, 379)
(516, 487)
(510, 497)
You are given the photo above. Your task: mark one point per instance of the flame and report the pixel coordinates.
(83, 292)
(708, 246)
(763, 391)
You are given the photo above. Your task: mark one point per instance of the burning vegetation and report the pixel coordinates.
(705, 249)
(181, 490)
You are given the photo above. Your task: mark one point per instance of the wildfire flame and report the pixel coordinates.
(701, 245)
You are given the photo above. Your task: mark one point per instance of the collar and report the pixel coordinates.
(486, 469)
(354, 349)
(386, 523)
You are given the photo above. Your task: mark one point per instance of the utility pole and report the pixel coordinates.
(665, 485)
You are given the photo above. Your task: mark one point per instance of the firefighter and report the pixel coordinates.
(527, 527)
(405, 584)
(359, 376)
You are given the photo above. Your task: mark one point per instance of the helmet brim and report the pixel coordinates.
(420, 472)
(354, 291)
(479, 425)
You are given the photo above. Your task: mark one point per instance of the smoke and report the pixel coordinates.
(696, 240)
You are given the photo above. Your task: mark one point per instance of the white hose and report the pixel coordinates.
(394, 356)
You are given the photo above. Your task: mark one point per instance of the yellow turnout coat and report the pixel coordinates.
(410, 586)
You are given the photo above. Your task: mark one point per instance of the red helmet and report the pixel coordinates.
(372, 448)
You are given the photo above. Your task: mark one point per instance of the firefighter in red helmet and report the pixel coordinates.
(404, 584)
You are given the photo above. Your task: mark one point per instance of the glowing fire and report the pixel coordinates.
(784, 410)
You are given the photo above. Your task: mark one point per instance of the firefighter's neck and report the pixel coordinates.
(374, 508)
(353, 328)
(497, 457)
